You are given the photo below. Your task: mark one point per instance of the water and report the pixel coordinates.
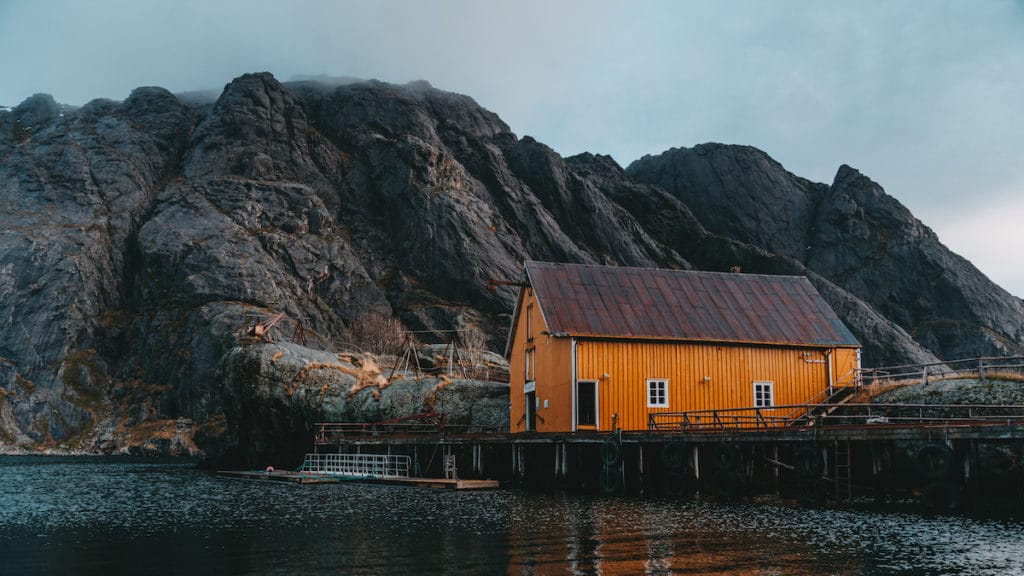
(87, 516)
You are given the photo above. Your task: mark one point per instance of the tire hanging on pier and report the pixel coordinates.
(727, 484)
(725, 456)
(933, 460)
(673, 455)
(611, 482)
(611, 451)
(941, 495)
(677, 482)
(611, 457)
(807, 462)
(810, 491)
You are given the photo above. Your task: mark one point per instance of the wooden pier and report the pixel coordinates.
(386, 469)
(311, 478)
(945, 457)
(279, 476)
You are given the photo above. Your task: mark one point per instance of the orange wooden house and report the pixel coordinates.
(598, 347)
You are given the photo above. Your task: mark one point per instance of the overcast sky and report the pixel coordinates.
(926, 98)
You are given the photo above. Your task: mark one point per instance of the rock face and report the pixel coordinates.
(673, 224)
(867, 242)
(738, 192)
(278, 391)
(851, 233)
(143, 236)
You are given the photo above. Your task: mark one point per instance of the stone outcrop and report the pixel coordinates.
(279, 391)
(143, 237)
(851, 233)
(672, 223)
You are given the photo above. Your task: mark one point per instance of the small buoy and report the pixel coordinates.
(270, 469)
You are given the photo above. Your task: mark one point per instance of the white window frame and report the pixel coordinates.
(531, 364)
(529, 322)
(651, 383)
(764, 385)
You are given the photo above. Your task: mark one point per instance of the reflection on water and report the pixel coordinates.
(79, 516)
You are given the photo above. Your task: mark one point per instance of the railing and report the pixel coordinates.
(819, 411)
(846, 382)
(925, 414)
(357, 465)
(841, 415)
(1009, 367)
(732, 418)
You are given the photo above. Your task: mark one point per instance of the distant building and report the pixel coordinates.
(592, 343)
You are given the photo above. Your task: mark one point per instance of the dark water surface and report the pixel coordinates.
(88, 516)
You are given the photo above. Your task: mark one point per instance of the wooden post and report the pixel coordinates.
(565, 459)
(876, 467)
(775, 469)
(977, 496)
(515, 464)
(696, 466)
(640, 466)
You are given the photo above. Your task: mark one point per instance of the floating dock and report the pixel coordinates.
(384, 469)
(312, 478)
(280, 476)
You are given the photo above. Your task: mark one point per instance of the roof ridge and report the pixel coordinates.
(657, 269)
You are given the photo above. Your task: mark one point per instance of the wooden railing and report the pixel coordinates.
(840, 415)
(985, 368)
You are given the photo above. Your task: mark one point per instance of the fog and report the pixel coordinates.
(922, 97)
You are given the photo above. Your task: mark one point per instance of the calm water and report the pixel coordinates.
(81, 516)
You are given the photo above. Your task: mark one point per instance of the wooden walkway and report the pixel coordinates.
(312, 478)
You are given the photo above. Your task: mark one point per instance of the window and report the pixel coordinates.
(657, 393)
(763, 394)
(530, 365)
(529, 323)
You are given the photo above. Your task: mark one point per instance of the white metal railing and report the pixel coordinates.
(357, 465)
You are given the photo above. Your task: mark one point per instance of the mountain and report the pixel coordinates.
(144, 236)
(853, 234)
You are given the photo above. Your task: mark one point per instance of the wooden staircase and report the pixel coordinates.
(840, 395)
(825, 403)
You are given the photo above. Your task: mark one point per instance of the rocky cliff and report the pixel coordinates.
(141, 237)
(851, 233)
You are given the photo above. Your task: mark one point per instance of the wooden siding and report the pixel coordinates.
(552, 372)
(798, 375)
(844, 364)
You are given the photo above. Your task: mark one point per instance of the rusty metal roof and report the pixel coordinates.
(620, 302)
